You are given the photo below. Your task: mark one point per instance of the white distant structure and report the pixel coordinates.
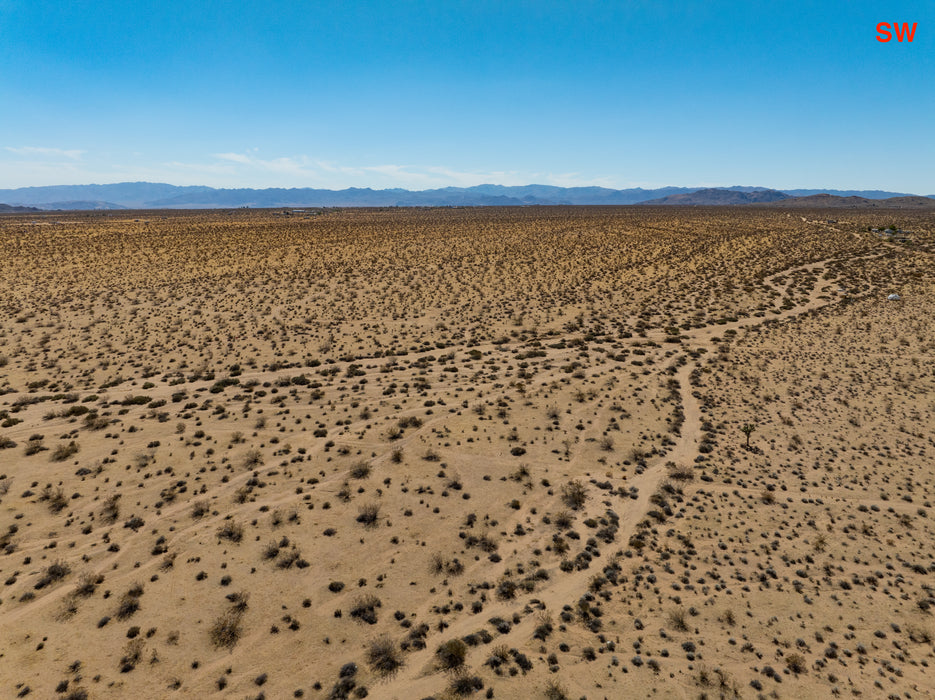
(893, 297)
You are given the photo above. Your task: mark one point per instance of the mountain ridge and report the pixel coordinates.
(154, 195)
(720, 197)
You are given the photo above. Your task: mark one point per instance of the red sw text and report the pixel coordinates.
(884, 34)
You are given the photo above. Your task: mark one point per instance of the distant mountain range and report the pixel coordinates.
(7, 209)
(832, 201)
(151, 195)
(716, 196)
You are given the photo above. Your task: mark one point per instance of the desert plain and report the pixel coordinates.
(538, 452)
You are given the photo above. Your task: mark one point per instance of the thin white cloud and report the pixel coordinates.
(247, 168)
(206, 168)
(235, 157)
(44, 152)
(305, 171)
(578, 180)
(298, 166)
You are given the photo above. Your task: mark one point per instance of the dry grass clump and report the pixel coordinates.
(132, 654)
(227, 629)
(681, 472)
(55, 498)
(360, 470)
(364, 609)
(555, 691)
(63, 452)
(384, 656)
(368, 514)
(110, 511)
(463, 684)
(230, 531)
(129, 602)
(53, 572)
(678, 620)
(574, 494)
(252, 459)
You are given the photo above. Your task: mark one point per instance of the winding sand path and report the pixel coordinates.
(419, 676)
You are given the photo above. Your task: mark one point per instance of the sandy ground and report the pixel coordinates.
(511, 453)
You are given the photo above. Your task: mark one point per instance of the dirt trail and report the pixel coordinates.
(419, 674)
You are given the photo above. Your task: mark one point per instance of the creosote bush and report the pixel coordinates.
(451, 654)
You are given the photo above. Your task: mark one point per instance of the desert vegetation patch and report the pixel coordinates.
(508, 453)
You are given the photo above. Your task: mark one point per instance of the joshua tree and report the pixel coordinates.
(747, 429)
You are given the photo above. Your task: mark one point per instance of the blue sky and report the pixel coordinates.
(430, 94)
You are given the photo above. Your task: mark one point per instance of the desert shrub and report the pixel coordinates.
(34, 445)
(200, 509)
(555, 691)
(132, 653)
(506, 589)
(290, 558)
(129, 603)
(239, 601)
(796, 663)
(368, 514)
(451, 654)
(54, 572)
(242, 495)
(360, 470)
(86, 585)
(136, 401)
(563, 520)
(681, 473)
(499, 656)
(521, 660)
(383, 656)
(56, 499)
(253, 458)
(92, 421)
(464, 684)
(574, 494)
(543, 629)
(454, 567)
(271, 550)
(364, 609)
(227, 629)
(110, 511)
(521, 473)
(231, 531)
(678, 620)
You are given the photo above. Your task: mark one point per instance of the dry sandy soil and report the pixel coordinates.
(509, 453)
